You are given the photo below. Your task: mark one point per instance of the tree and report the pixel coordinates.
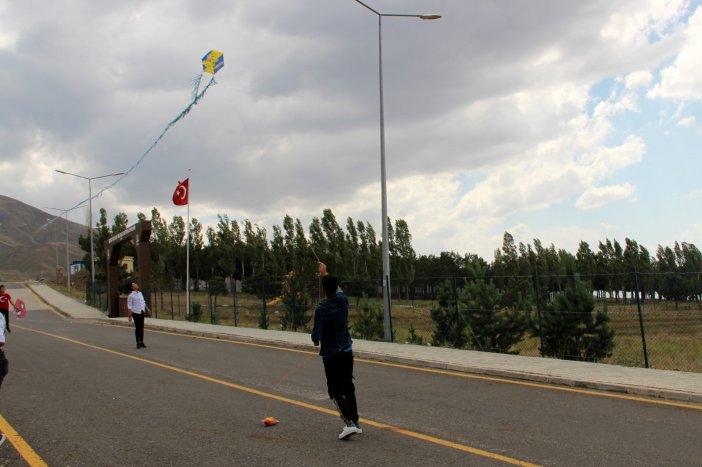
(403, 257)
(514, 284)
(670, 283)
(450, 326)
(197, 246)
(586, 264)
(572, 329)
(369, 321)
(494, 328)
(296, 301)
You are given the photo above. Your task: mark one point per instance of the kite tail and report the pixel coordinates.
(196, 85)
(197, 96)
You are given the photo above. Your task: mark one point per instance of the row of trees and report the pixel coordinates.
(527, 290)
(245, 251)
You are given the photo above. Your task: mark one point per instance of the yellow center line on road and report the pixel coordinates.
(24, 450)
(384, 426)
(497, 379)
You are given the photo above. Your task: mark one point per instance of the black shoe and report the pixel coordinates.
(138, 345)
(143, 346)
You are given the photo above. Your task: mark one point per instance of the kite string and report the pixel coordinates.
(197, 96)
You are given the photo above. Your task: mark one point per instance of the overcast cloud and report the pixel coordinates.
(550, 119)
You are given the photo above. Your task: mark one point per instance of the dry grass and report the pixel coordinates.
(673, 337)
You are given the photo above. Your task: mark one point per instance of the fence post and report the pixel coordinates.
(387, 287)
(234, 299)
(172, 310)
(641, 323)
(538, 309)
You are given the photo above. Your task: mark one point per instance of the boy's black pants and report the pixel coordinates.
(138, 327)
(338, 369)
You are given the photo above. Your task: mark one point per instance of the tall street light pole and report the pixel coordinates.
(90, 221)
(387, 305)
(68, 263)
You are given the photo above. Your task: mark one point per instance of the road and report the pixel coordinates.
(81, 394)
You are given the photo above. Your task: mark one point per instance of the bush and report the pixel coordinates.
(413, 338)
(296, 302)
(263, 321)
(451, 327)
(369, 321)
(572, 329)
(493, 328)
(195, 313)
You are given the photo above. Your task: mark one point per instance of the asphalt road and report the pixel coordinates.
(81, 394)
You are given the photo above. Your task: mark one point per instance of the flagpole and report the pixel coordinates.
(187, 253)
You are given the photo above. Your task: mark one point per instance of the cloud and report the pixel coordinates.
(687, 121)
(683, 78)
(484, 126)
(600, 196)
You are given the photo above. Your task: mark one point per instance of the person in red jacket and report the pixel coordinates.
(5, 302)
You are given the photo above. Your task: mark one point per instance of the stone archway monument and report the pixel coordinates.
(139, 234)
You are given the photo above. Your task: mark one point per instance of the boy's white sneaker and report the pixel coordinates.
(348, 430)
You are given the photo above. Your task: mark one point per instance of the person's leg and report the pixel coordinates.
(138, 328)
(141, 329)
(348, 390)
(4, 366)
(3, 371)
(6, 315)
(332, 370)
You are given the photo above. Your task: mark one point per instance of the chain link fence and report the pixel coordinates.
(645, 332)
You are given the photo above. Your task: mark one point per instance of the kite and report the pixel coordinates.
(270, 421)
(212, 62)
(20, 308)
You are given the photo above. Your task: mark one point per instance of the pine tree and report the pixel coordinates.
(450, 325)
(572, 329)
(369, 321)
(493, 328)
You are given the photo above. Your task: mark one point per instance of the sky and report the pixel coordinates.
(565, 121)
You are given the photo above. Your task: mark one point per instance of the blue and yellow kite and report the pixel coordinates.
(212, 62)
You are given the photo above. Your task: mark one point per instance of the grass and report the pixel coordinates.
(673, 337)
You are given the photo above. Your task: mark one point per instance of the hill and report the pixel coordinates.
(29, 249)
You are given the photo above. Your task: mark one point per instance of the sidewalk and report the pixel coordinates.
(664, 384)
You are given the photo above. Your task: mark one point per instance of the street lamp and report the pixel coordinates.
(68, 264)
(90, 225)
(387, 321)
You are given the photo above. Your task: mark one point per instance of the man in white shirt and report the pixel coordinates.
(136, 309)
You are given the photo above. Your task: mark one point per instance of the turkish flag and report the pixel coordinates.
(180, 195)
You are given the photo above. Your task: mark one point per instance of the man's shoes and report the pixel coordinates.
(358, 427)
(143, 346)
(349, 430)
(2, 438)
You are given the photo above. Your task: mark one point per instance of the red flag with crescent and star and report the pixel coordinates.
(180, 195)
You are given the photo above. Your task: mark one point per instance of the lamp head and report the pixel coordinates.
(430, 16)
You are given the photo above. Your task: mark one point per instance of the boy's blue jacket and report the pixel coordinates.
(331, 325)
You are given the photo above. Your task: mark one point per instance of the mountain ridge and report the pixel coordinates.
(30, 247)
